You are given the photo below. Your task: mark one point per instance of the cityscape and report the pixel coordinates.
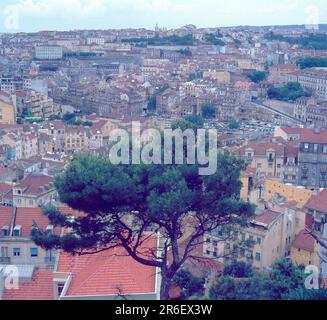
(164, 163)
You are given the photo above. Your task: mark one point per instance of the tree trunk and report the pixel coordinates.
(166, 282)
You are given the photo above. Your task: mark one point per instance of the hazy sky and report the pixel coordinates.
(35, 15)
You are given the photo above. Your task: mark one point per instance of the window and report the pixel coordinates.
(49, 229)
(4, 252)
(258, 240)
(34, 252)
(5, 231)
(17, 231)
(215, 243)
(16, 252)
(306, 146)
(315, 148)
(60, 288)
(208, 240)
(324, 148)
(257, 256)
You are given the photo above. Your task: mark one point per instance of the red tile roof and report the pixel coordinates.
(262, 148)
(39, 288)
(318, 202)
(292, 130)
(309, 135)
(26, 217)
(5, 188)
(108, 273)
(304, 241)
(267, 217)
(5, 216)
(240, 84)
(36, 184)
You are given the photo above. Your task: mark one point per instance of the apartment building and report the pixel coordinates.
(266, 158)
(15, 243)
(266, 238)
(76, 139)
(305, 250)
(34, 191)
(97, 41)
(312, 159)
(315, 79)
(278, 72)
(311, 112)
(7, 110)
(42, 106)
(14, 83)
(48, 52)
(29, 145)
(14, 141)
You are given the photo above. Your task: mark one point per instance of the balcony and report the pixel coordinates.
(5, 260)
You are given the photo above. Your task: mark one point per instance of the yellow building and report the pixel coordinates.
(266, 158)
(246, 64)
(7, 111)
(267, 237)
(220, 76)
(305, 250)
(16, 247)
(259, 244)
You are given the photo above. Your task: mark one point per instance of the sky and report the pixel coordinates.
(36, 15)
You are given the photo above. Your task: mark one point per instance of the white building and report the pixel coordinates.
(97, 41)
(315, 79)
(48, 52)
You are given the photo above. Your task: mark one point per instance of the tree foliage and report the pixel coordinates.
(189, 284)
(208, 111)
(214, 39)
(233, 124)
(291, 91)
(239, 270)
(257, 76)
(285, 281)
(176, 40)
(123, 203)
(312, 62)
(308, 41)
